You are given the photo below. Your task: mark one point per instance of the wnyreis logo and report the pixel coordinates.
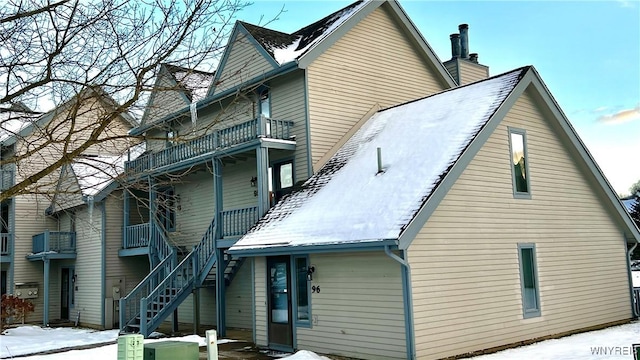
(617, 351)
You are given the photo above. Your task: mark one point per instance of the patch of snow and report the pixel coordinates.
(196, 82)
(96, 172)
(419, 140)
(614, 343)
(628, 204)
(302, 44)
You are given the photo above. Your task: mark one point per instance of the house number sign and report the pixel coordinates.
(315, 289)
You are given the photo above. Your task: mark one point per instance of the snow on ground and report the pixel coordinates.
(614, 343)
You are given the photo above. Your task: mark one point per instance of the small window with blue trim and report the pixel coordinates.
(529, 280)
(302, 301)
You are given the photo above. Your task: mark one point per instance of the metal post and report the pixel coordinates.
(45, 310)
(212, 345)
(196, 310)
(221, 265)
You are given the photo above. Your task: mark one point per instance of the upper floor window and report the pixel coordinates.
(172, 137)
(265, 103)
(519, 167)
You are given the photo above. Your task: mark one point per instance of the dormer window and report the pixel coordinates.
(519, 167)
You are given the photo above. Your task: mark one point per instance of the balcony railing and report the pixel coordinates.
(54, 241)
(5, 243)
(136, 236)
(237, 222)
(6, 179)
(219, 139)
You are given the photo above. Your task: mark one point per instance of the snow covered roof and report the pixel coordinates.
(14, 118)
(628, 203)
(285, 48)
(196, 83)
(94, 173)
(348, 201)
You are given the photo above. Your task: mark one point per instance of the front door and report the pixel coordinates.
(66, 293)
(280, 326)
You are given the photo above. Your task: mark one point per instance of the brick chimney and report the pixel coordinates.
(463, 66)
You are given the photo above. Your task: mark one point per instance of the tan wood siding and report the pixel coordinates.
(243, 63)
(30, 220)
(471, 72)
(164, 100)
(260, 298)
(195, 209)
(287, 103)
(359, 311)
(372, 63)
(88, 265)
(238, 299)
(464, 262)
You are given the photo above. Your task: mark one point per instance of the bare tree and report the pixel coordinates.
(70, 55)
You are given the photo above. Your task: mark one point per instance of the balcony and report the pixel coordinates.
(6, 179)
(53, 245)
(234, 223)
(223, 139)
(5, 245)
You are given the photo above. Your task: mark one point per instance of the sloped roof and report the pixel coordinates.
(348, 201)
(289, 47)
(96, 172)
(195, 83)
(14, 117)
(629, 203)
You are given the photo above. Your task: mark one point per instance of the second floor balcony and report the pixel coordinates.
(53, 245)
(223, 139)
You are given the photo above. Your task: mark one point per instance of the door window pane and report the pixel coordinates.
(302, 300)
(279, 293)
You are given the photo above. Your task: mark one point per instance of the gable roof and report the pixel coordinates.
(425, 145)
(377, 206)
(194, 83)
(300, 48)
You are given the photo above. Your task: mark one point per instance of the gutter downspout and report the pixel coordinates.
(633, 307)
(407, 300)
(103, 265)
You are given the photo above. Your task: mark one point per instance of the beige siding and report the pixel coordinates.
(236, 184)
(88, 265)
(359, 311)
(244, 63)
(260, 298)
(238, 299)
(195, 209)
(464, 262)
(121, 272)
(287, 103)
(164, 100)
(373, 63)
(30, 220)
(471, 72)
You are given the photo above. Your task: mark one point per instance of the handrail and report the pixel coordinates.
(236, 222)
(260, 127)
(136, 236)
(58, 241)
(5, 243)
(129, 304)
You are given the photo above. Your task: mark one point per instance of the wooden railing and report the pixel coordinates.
(236, 222)
(217, 140)
(136, 236)
(55, 241)
(5, 243)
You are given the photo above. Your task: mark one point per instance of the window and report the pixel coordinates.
(302, 290)
(265, 103)
(519, 167)
(280, 177)
(529, 280)
(172, 137)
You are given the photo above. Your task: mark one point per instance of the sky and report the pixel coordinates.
(587, 53)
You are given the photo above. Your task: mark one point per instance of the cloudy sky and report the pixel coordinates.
(587, 52)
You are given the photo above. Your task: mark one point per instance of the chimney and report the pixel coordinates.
(473, 57)
(464, 40)
(455, 45)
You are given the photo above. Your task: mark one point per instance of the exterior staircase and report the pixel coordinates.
(169, 284)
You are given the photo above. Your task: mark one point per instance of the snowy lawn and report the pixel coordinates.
(614, 343)
(33, 339)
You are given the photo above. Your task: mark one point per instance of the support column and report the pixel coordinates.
(125, 220)
(196, 310)
(152, 221)
(217, 190)
(262, 168)
(45, 310)
(174, 322)
(221, 287)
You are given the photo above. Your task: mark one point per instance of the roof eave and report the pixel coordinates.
(286, 249)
